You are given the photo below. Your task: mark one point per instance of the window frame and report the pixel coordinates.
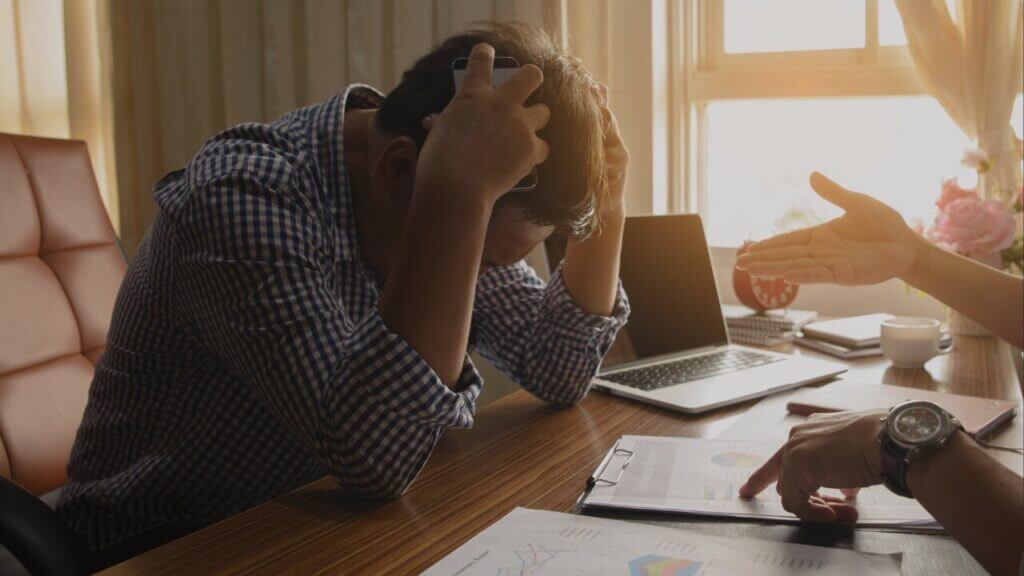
(711, 74)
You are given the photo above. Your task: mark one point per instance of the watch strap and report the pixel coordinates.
(894, 466)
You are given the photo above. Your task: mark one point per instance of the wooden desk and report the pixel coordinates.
(521, 453)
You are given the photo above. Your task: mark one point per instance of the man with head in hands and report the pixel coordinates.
(305, 302)
(917, 449)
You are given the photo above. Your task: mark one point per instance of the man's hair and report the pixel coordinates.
(573, 174)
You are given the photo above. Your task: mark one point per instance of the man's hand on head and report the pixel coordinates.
(616, 156)
(486, 139)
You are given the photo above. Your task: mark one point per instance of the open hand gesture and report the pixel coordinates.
(869, 244)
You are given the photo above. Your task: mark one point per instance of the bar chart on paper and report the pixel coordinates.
(540, 543)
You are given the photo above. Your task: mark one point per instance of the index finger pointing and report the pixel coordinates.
(481, 66)
(763, 476)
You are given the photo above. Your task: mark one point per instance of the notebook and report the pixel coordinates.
(980, 416)
(780, 320)
(766, 328)
(852, 332)
(837, 350)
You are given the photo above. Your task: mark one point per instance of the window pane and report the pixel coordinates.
(761, 152)
(788, 25)
(890, 26)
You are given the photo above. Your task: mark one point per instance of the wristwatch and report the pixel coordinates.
(909, 431)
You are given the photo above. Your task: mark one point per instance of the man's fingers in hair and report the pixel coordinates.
(428, 122)
(480, 69)
(538, 116)
(523, 83)
(600, 91)
(612, 135)
(541, 150)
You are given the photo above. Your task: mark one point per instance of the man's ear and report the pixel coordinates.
(395, 170)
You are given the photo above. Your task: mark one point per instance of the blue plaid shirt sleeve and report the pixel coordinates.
(254, 287)
(536, 334)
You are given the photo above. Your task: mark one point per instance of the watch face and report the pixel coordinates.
(917, 424)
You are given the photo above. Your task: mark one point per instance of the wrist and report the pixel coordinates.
(613, 213)
(914, 432)
(872, 448)
(921, 467)
(920, 257)
(451, 197)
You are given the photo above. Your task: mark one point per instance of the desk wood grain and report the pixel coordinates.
(521, 453)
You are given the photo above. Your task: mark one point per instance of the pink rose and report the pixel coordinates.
(951, 191)
(973, 226)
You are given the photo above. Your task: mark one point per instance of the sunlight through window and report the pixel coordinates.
(787, 25)
(761, 152)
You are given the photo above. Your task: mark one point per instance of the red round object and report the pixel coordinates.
(761, 293)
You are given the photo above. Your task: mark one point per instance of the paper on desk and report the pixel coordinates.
(541, 543)
(702, 476)
(766, 421)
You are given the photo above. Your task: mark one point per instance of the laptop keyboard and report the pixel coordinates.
(690, 369)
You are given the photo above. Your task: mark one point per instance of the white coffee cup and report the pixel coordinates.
(909, 342)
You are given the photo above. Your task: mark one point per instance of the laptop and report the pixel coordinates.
(675, 351)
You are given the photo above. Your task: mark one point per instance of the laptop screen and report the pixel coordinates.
(666, 271)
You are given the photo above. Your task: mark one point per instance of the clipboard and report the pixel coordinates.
(597, 477)
(700, 478)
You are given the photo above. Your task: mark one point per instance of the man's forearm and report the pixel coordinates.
(591, 269)
(991, 298)
(976, 499)
(428, 299)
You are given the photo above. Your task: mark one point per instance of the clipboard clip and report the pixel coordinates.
(597, 480)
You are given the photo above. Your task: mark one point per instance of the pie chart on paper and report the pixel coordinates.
(654, 565)
(737, 460)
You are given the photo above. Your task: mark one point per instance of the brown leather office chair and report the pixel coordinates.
(60, 269)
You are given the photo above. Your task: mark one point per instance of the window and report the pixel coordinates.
(779, 89)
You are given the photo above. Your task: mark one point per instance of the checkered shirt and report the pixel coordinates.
(247, 356)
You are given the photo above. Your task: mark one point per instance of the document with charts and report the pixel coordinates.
(702, 476)
(540, 543)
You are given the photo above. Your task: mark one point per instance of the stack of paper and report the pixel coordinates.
(552, 544)
(700, 476)
(846, 338)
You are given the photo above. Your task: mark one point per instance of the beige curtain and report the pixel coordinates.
(54, 78)
(185, 69)
(973, 67)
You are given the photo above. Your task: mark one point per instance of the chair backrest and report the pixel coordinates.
(60, 269)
